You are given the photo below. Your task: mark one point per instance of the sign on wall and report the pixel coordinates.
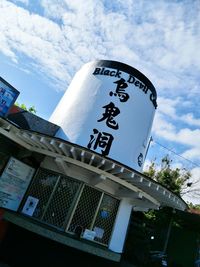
(8, 95)
(30, 205)
(89, 235)
(14, 182)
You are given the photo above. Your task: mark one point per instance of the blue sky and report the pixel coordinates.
(43, 43)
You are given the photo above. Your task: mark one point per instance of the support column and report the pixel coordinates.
(120, 227)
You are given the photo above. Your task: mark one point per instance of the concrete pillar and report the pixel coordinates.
(120, 227)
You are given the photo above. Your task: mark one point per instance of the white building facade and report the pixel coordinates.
(83, 181)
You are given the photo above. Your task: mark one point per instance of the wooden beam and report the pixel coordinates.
(97, 179)
(62, 165)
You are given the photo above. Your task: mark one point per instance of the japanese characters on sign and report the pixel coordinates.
(110, 111)
(104, 139)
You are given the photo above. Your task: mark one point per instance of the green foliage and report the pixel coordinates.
(30, 109)
(156, 223)
(159, 218)
(194, 206)
(173, 179)
(150, 215)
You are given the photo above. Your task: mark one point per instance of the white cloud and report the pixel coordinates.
(189, 119)
(36, 37)
(168, 131)
(163, 128)
(189, 137)
(168, 106)
(25, 2)
(196, 174)
(54, 9)
(5, 49)
(192, 153)
(158, 38)
(166, 128)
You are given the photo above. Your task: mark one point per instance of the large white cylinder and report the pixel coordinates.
(109, 108)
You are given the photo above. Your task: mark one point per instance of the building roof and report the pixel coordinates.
(29, 121)
(145, 192)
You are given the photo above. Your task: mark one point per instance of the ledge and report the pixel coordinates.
(60, 237)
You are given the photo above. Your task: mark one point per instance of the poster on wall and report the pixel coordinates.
(14, 182)
(30, 205)
(89, 235)
(99, 232)
(8, 95)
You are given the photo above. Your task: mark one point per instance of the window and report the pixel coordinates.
(72, 206)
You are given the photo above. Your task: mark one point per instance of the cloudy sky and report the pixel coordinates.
(44, 42)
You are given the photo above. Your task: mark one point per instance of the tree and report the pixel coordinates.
(194, 206)
(152, 230)
(30, 109)
(156, 224)
(176, 180)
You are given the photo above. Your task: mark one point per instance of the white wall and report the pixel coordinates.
(120, 227)
(81, 114)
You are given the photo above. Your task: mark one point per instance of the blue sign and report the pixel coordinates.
(8, 96)
(104, 214)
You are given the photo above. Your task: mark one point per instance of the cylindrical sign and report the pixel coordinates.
(108, 108)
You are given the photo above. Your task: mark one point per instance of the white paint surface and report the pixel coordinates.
(120, 227)
(83, 104)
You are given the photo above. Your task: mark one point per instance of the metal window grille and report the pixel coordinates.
(42, 188)
(69, 205)
(86, 209)
(105, 219)
(62, 202)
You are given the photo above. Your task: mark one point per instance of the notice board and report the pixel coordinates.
(14, 182)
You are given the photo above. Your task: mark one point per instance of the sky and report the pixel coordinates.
(43, 43)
